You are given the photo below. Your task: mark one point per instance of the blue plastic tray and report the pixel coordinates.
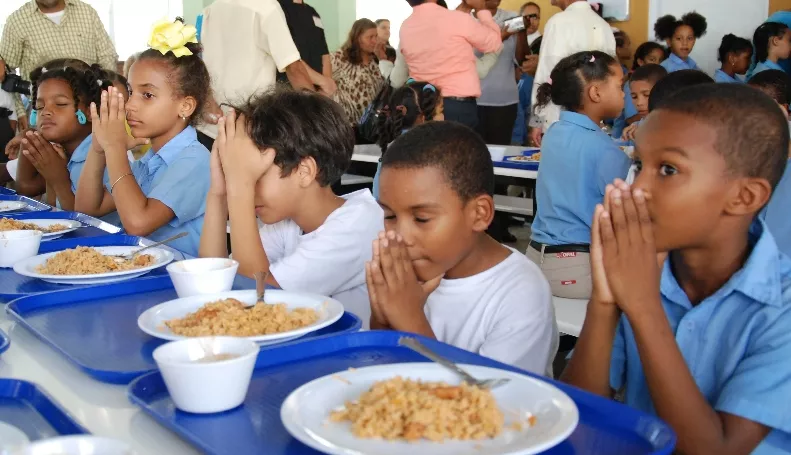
(31, 410)
(92, 227)
(14, 286)
(523, 165)
(5, 342)
(6, 191)
(32, 204)
(605, 427)
(96, 328)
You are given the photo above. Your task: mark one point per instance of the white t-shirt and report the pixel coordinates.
(330, 260)
(7, 102)
(504, 313)
(56, 17)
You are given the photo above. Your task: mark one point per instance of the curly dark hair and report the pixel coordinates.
(763, 34)
(644, 50)
(300, 125)
(351, 48)
(188, 76)
(774, 83)
(86, 82)
(674, 82)
(666, 26)
(404, 107)
(570, 77)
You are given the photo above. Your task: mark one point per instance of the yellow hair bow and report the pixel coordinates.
(167, 36)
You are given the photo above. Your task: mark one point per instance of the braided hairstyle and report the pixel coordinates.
(71, 71)
(402, 111)
(188, 75)
(569, 78)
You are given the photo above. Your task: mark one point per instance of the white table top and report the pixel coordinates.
(103, 409)
(371, 153)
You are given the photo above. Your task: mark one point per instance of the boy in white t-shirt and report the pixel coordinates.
(436, 272)
(278, 160)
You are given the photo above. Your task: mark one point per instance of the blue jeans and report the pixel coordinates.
(464, 112)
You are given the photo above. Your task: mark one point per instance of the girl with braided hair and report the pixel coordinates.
(411, 105)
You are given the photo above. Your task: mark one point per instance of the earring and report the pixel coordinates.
(81, 119)
(184, 118)
(33, 117)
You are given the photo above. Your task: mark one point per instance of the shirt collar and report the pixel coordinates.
(81, 152)
(759, 279)
(772, 65)
(726, 75)
(680, 61)
(579, 5)
(33, 6)
(171, 150)
(579, 120)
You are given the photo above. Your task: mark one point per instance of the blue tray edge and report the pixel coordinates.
(61, 413)
(5, 342)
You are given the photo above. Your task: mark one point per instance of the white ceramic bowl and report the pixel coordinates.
(498, 153)
(200, 380)
(18, 245)
(75, 445)
(202, 276)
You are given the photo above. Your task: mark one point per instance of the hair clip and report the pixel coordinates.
(43, 69)
(549, 81)
(410, 81)
(401, 108)
(429, 88)
(99, 82)
(593, 58)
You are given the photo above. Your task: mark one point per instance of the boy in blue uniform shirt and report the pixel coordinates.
(704, 343)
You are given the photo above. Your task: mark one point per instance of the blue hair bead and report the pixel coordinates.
(81, 117)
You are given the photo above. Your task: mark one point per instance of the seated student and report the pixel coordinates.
(704, 343)
(680, 36)
(578, 160)
(409, 106)
(735, 53)
(163, 193)
(436, 272)
(8, 124)
(277, 161)
(648, 53)
(772, 42)
(776, 85)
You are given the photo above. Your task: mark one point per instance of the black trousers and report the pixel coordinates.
(496, 123)
(462, 111)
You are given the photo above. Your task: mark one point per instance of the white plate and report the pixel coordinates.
(46, 223)
(305, 413)
(27, 267)
(75, 445)
(11, 437)
(11, 206)
(152, 321)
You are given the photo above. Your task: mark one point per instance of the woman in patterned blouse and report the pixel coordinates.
(356, 71)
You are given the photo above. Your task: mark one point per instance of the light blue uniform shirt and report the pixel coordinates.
(721, 76)
(178, 176)
(76, 163)
(736, 343)
(777, 213)
(675, 63)
(578, 160)
(629, 111)
(764, 66)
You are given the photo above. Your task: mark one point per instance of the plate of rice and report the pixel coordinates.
(11, 206)
(51, 229)
(284, 317)
(422, 408)
(92, 265)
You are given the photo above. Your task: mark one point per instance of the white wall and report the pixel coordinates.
(740, 17)
(394, 10)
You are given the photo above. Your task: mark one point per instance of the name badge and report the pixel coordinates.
(317, 22)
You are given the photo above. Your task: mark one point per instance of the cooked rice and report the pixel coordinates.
(405, 409)
(230, 317)
(88, 261)
(7, 224)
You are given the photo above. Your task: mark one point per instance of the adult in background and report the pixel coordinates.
(383, 31)
(44, 30)
(531, 13)
(356, 70)
(307, 31)
(245, 43)
(437, 46)
(577, 28)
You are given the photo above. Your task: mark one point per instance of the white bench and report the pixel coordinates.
(570, 314)
(512, 204)
(351, 179)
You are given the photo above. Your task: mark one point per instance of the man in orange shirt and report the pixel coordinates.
(438, 44)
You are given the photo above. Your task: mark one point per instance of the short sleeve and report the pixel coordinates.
(759, 387)
(321, 43)
(273, 239)
(11, 45)
(278, 37)
(611, 164)
(618, 358)
(183, 188)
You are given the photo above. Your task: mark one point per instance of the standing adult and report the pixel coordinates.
(577, 28)
(356, 71)
(44, 30)
(531, 13)
(245, 43)
(383, 31)
(437, 45)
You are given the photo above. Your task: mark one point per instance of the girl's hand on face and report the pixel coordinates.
(48, 161)
(109, 129)
(242, 161)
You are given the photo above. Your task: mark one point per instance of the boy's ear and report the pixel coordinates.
(750, 196)
(481, 212)
(307, 171)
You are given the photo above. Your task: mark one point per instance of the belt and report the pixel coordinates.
(553, 249)
(463, 99)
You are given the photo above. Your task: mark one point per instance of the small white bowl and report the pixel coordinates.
(18, 245)
(75, 445)
(202, 276)
(498, 153)
(200, 378)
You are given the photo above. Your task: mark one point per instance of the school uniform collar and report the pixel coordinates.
(680, 61)
(580, 120)
(170, 151)
(759, 279)
(723, 73)
(772, 65)
(80, 154)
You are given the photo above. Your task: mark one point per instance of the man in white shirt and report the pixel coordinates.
(578, 28)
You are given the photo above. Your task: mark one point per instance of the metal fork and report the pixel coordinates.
(129, 256)
(260, 288)
(418, 347)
